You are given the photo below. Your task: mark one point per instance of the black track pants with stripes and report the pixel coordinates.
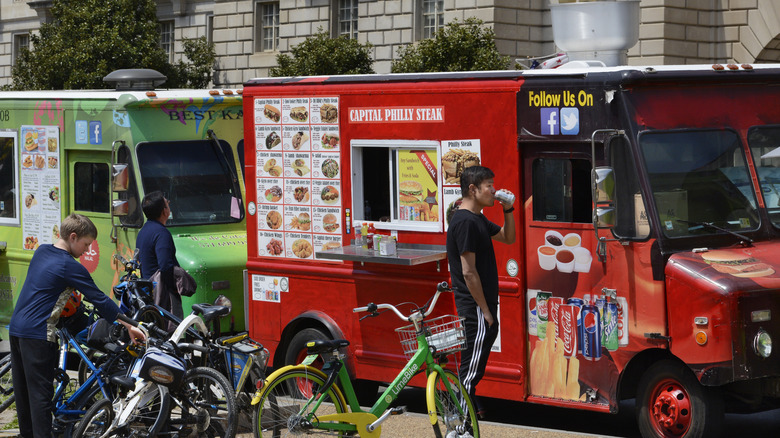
(479, 340)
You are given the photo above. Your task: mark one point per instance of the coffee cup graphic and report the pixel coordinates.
(547, 259)
(564, 260)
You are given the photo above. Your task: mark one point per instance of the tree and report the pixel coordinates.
(320, 54)
(87, 39)
(197, 72)
(465, 46)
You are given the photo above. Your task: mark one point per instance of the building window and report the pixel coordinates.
(348, 18)
(166, 38)
(266, 26)
(432, 17)
(210, 28)
(21, 41)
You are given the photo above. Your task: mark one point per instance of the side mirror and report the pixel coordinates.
(604, 217)
(121, 177)
(603, 180)
(120, 207)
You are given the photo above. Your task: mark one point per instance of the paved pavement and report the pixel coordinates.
(416, 425)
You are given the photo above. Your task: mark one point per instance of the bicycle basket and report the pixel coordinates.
(445, 333)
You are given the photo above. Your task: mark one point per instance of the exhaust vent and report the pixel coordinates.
(596, 30)
(138, 79)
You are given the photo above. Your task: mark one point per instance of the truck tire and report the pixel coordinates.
(296, 350)
(671, 403)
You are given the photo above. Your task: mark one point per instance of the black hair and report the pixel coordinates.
(473, 175)
(153, 205)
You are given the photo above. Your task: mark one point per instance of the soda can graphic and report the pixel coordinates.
(591, 328)
(531, 312)
(568, 316)
(541, 313)
(610, 323)
(553, 306)
(622, 305)
(600, 302)
(578, 302)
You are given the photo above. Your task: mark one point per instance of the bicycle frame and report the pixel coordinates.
(63, 407)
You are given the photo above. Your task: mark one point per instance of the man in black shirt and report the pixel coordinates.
(474, 272)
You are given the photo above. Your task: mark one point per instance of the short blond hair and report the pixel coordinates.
(79, 224)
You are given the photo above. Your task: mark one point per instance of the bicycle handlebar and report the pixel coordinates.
(371, 307)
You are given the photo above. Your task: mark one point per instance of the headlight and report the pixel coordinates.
(762, 343)
(223, 301)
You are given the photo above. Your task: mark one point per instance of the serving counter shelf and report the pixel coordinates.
(406, 254)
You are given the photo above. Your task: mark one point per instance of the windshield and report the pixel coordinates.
(764, 142)
(699, 178)
(195, 179)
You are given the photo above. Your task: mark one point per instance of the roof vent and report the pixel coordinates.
(138, 79)
(600, 30)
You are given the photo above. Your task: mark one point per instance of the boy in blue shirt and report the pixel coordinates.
(52, 276)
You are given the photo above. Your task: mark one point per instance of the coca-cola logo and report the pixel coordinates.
(567, 329)
(590, 322)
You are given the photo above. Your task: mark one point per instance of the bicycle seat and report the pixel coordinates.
(123, 381)
(210, 311)
(325, 346)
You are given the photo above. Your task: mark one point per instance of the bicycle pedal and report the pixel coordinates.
(398, 410)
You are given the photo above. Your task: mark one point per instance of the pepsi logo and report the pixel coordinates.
(532, 305)
(590, 322)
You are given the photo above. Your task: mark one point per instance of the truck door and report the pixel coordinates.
(89, 194)
(560, 254)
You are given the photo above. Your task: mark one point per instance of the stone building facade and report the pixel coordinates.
(248, 34)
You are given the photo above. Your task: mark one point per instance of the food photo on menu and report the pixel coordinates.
(272, 113)
(273, 219)
(300, 140)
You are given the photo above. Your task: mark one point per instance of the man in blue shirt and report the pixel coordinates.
(51, 278)
(157, 252)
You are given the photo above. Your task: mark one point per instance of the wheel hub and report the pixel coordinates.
(672, 409)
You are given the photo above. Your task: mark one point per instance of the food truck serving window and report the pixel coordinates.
(396, 184)
(196, 178)
(9, 180)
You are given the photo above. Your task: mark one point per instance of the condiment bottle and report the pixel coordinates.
(370, 234)
(364, 235)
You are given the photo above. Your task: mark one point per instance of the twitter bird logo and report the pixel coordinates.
(570, 121)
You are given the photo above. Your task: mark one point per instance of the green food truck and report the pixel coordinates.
(97, 153)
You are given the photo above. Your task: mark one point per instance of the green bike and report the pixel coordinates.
(301, 399)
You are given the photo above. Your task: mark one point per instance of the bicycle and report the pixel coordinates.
(164, 396)
(299, 399)
(238, 357)
(7, 397)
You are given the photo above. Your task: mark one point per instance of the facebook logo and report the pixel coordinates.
(570, 121)
(549, 121)
(95, 133)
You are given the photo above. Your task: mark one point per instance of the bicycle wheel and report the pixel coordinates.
(7, 397)
(282, 409)
(96, 420)
(456, 414)
(146, 412)
(204, 404)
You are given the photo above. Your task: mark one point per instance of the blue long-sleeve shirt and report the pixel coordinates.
(157, 252)
(53, 274)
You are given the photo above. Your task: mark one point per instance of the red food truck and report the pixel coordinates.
(648, 218)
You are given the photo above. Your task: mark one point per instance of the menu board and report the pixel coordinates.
(298, 176)
(456, 156)
(40, 190)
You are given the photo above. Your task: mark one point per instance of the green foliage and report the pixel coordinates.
(320, 54)
(87, 39)
(197, 72)
(465, 46)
